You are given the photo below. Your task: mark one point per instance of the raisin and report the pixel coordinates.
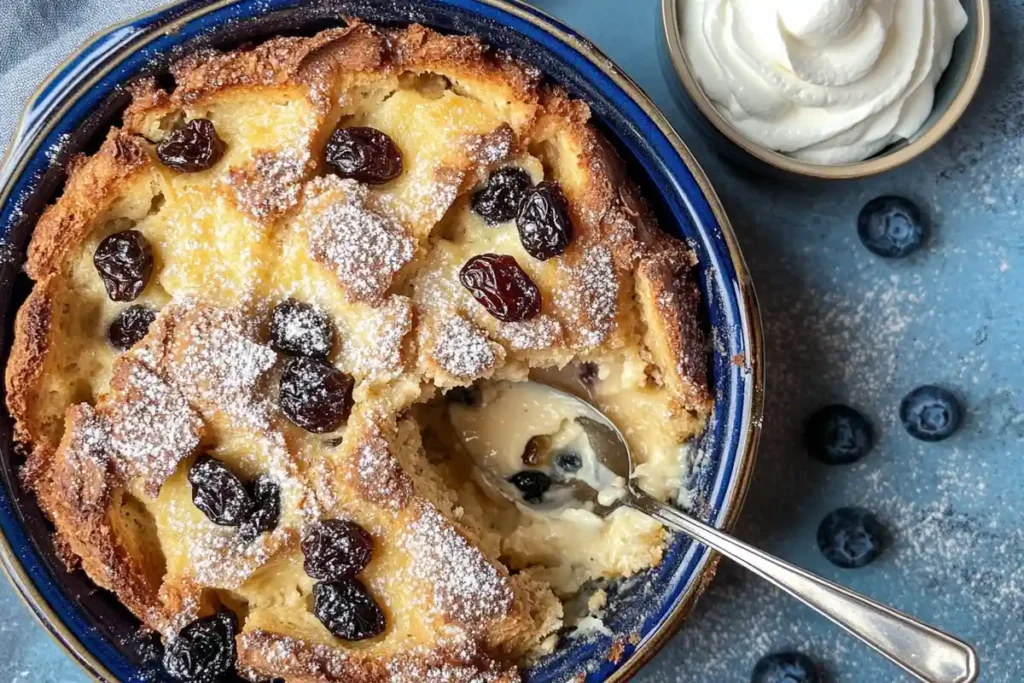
(130, 326)
(266, 510)
(336, 549)
(191, 148)
(364, 154)
(589, 374)
(347, 610)
(498, 283)
(533, 484)
(124, 261)
(498, 201)
(314, 395)
(300, 329)
(467, 396)
(531, 452)
(218, 493)
(204, 650)
(543, 221)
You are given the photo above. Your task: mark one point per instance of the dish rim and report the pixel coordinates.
(670, 18)
(23, 147)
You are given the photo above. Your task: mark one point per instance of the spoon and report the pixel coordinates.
(925, 652)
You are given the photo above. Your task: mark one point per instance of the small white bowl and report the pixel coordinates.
(955, 91)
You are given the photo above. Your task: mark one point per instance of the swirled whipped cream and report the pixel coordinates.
(824, 81)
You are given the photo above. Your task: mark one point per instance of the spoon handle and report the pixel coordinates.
(925, 652)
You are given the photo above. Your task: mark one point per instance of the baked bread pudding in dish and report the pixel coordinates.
(274, 318)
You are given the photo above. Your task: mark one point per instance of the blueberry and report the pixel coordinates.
(569, 461)
(851, 537)
(891, 227)
(533, 484)
(838, 435)
(930, 413)
(785, 667)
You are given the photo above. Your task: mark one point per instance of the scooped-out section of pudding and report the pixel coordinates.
(514, 451)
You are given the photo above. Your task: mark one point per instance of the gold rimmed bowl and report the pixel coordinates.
(954, 93)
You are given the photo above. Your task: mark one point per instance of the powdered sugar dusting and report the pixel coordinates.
(371, 349)
(462, 350)
(217, 556)
(86, 460)
(466, 587)
(492, 147)
(269, 185)
(590, 297)
(457, 659)
(364, 248)
(422, 202)
(380, 476)
(218, 364)
(151, 425)
(541, 332)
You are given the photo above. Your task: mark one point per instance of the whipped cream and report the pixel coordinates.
(824, 81)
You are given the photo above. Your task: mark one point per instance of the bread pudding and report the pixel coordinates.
(267, 308)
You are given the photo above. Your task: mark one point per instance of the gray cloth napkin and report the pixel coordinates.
(36, 35)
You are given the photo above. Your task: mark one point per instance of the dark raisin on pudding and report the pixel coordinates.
(218, 492)
(301, 329)
(498, 201)
(531, 452)
(124, 261)
(588, 374)
(130, 326)
(467, 396)
(347, 609)
(543, 221)
(193, 147)
(533, 484)
(336, 549)
(315, 395)
(266, 509)
(501, 286)
(364, 154)
(204, 650)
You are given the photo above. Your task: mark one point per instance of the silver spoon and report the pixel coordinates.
(925, 652)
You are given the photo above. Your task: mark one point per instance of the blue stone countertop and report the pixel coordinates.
(844, 326)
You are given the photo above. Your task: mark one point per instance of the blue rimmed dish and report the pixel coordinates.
(84, 96)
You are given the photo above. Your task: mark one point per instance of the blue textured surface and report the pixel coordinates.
(95, 618)
(845, 326)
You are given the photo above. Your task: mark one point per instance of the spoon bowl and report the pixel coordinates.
(605, 481)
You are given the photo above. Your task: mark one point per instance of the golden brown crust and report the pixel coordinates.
(25, 365)
(274, 655)
(76, 492)
(87, 494)
(670, 301)
(371, 466)
(93, 185)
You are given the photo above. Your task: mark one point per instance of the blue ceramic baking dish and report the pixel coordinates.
(73, 109)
